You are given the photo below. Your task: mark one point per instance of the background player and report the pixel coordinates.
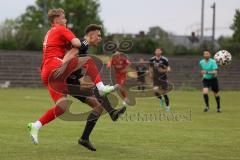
(141, 73)
(158, 69)
(209, 72)
(120, 64)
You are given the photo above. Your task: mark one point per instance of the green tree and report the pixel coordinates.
(229, 44)
(236, 26)
(7, 35)
(161, 37)
(32, 25)
(144, 45)
(180, 50)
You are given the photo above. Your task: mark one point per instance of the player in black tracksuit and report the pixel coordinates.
(90, 96)
(158, 68)
(141, 73)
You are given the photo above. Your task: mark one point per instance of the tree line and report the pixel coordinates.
(26, 32)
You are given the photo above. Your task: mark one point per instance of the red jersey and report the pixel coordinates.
(119, 63)
(56, 42)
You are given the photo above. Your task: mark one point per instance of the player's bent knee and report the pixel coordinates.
(64, 103)
(155, 89)
(99, 109)
(93, 102)
(205, 91)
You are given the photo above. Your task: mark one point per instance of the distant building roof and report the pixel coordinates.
(190, 41)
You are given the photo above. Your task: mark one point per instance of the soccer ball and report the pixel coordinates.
(223, 57)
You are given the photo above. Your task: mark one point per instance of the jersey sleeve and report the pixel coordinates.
(215, 66)
(200, 64)
(109, 64)
(67, 34)
(145, 68)
(136, 67)
(128, 62)
(151, 63)
(166, 63)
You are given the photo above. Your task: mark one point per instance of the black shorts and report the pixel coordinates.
(211, 83)
(141, 79)
(160, 82)
(74, 87)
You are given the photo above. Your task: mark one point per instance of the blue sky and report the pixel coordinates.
(130, 16)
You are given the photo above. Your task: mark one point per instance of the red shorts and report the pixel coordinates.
(121, 78)
(54, 74)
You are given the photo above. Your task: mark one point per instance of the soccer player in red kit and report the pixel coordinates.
(58, 63)
(120, 64)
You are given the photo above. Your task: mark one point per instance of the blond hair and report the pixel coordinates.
(53, 13)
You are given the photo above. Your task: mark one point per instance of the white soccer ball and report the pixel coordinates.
(223, 57)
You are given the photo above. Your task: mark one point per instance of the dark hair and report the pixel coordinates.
(53, 13)
(92, 27)
(207, 51)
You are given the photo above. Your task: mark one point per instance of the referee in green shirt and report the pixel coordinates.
(209, 72)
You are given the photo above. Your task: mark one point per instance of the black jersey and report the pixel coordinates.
(84, 47)
(141, 69)
(76, 75)
(156, 64)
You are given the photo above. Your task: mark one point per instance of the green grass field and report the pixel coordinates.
(198, 136)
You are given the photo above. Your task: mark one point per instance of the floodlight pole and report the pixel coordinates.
(202, 21)
(214, 24)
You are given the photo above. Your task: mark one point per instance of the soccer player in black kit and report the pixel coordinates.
(141, 73)
(90, 95)
(158, 69)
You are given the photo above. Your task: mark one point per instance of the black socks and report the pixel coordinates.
(218, 101)
(91, 122)
(166, 100)
(158, 95)
(206, 100)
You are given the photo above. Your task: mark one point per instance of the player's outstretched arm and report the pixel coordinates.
(165, 70)
(150, 72)
(212, 72)
(76, 43)
(209, 72)
(70, 54)
(168, 69)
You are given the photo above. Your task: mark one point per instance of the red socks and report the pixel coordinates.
(123, 93)
(51, 114)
